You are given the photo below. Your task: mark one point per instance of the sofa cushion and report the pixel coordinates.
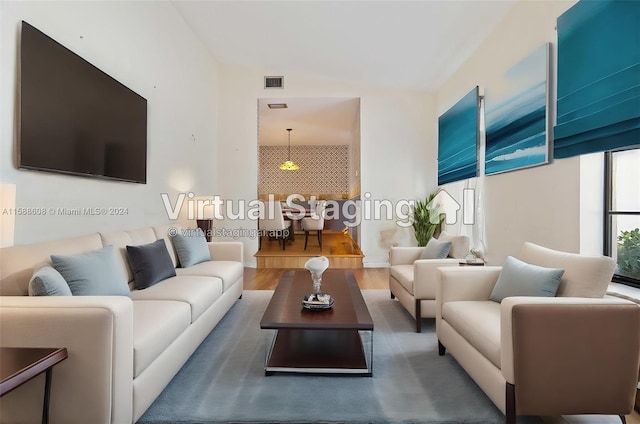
(228, 271)
(156, 324)
(584, 276)
(199, 292)
(94, 273)
(122, 239)
(46, 281)
(403, 275)
(519, 278)
(436, 249)
(150, 263)
(191, 248)
(479, 323)
(459, 244)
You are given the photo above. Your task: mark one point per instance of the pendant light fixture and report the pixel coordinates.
(288, 165)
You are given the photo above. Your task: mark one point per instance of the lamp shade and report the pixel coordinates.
(289, 166)
(204, 207)
(7, 213)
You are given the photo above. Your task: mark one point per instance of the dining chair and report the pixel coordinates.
(315, 222)
(272, 223)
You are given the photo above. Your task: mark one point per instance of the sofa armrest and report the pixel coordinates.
(226, 251)
(464, 283)
(95, 383)
(404, 255)
(425, 277)
(587, 349)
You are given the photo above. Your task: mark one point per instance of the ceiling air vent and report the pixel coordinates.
(273, 82)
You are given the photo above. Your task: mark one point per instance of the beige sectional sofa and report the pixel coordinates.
(123, 351)
(577, 353)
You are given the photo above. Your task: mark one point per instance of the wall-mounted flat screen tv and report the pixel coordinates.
(76, 119)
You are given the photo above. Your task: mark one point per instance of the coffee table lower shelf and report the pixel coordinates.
(320, 352)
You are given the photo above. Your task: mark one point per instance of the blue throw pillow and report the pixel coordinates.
(150, 263)
(191, 248)
(436, 249)
(519, 278)
(46, 281)
(95, 273)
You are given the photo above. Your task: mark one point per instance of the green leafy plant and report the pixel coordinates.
(427, 218)
(629, 253)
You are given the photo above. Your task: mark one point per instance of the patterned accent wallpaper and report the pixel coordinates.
(324, 171)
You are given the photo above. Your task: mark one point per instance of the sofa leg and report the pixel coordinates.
(418, 316)
(393, 296)
(511, 404)
(441, 349)
(623, 419)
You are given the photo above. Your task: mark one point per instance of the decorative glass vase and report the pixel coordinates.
(316, 267)
(317, 281)
(479, 250)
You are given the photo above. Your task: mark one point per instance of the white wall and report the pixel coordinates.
(147, 47)
(541, 204)
(397, 144)
(354, 158)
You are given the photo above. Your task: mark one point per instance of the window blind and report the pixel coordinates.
(598, 106)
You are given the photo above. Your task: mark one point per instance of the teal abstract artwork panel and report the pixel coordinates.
(458, 140)
(516, 115)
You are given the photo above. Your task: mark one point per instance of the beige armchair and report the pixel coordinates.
(413, 280)
(577, 353)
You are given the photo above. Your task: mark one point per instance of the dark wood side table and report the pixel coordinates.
(20, 364)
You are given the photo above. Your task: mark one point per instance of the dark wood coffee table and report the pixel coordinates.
(333, 341)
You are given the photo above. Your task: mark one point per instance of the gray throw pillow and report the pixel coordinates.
(191, 248)
(436, 249)
(95, 273)
(519, 278)
(46, 281)
(150, 263)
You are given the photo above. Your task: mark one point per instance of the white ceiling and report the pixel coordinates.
(400, 44)
(317, 121)
(413, 45)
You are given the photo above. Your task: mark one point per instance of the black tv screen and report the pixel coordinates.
(76, 119)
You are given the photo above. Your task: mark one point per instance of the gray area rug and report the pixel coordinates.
(224, 382)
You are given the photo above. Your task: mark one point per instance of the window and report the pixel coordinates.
(622, 214)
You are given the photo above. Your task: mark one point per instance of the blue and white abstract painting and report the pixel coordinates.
(458, 140)
(516, 116)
